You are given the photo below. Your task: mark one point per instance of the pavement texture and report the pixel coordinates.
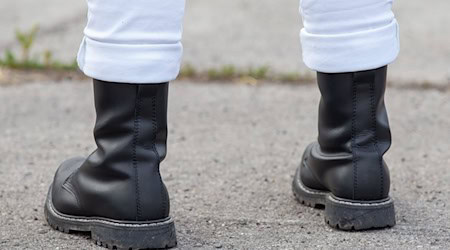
(232, 153)
(245, 33)
(233, 148)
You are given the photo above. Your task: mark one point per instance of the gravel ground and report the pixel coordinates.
(233, 149)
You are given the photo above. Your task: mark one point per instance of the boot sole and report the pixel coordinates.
(344, 214)
(115, 234)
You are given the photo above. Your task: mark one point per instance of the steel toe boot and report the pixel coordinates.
(117, 193)
(344, 169)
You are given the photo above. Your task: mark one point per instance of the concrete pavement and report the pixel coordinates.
(246, 33)
(233, 148)
(231, 155)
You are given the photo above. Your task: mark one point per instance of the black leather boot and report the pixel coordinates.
(117, 193)
(345, 171)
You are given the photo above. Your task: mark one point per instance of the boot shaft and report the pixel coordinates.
(133, 114)
(352, 113)
(353, 136)
(121, 178)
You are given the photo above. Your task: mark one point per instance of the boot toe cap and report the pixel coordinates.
(306, 175)
(64, 194)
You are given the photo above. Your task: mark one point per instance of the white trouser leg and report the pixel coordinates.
(132, 41)
(348, 35)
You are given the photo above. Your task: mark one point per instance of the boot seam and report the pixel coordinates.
(136, 125)
(72, 190)
(155, 128)
(353, 139)
(375, 136)
(155, 133)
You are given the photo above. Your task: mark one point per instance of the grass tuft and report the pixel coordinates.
(45, 62)
(26, 41)
(258, 73)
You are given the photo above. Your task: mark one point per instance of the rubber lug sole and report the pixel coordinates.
(343, 214)
(115, 234)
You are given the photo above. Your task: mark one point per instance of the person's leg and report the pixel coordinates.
(132, 50)
(136, 41)
(349, 44)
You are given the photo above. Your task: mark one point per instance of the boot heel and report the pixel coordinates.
(359, 215)
(115, 234)
(141, 237)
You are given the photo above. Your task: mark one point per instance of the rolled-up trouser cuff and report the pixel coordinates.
(130, 63)
(349, 52)
(347, 36)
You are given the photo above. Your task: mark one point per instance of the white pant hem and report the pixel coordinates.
(130, 63)
(351, 52)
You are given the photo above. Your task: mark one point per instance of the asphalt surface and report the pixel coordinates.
(233, 148)
(232, 152)
(244, 33)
